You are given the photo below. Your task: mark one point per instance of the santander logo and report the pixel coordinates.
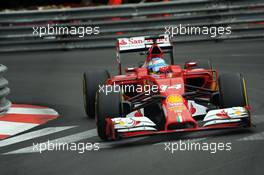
(138, 42)
(122, 42)
(131, 41)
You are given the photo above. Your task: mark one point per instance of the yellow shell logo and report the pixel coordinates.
(172, 99)
(120, 122)
(238, 112)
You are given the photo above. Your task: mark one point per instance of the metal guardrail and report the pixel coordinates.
(130, 10)
(4, 91)
(244, 16)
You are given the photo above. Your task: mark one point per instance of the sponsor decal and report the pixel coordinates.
(238, 112)
(174, 99)
(176, 86)
(179, 119)
(222, 114)
(129, 122)
(133, 124)
(131, 43)
(120, 122)
(177, 108)
(175, 102)
(140, 42)
(164, 40)
(227, 113)
(193, 109)
(122, 42)
(165, 87)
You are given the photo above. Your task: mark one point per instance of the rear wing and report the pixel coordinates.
(142, 43)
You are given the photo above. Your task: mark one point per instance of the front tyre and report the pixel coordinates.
(232, 90)
(91, 82)
(107, 106)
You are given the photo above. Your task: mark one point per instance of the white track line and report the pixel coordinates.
(12, 128)
(257, 136)
(183, 140)
(33, 134)
(67, 139)
(256, 119)
(38, 111)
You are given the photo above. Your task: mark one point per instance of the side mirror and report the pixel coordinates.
(190, 64)
(164, 69)
(130, 69)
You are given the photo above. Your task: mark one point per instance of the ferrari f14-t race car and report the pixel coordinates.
(158, 98)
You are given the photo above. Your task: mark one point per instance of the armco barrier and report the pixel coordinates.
(130, 10)
(16, 34)
(4, 91)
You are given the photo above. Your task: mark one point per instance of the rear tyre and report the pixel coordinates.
(107, 105)
(232, 90)
(91, 82)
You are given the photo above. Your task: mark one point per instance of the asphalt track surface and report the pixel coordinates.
(54, 79)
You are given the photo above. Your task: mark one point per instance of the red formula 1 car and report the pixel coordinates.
(173, 99)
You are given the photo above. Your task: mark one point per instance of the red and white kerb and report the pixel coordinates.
(20, 118)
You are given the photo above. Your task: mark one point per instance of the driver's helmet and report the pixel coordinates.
(155, 64)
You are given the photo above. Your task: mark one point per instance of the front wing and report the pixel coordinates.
(132, 126)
